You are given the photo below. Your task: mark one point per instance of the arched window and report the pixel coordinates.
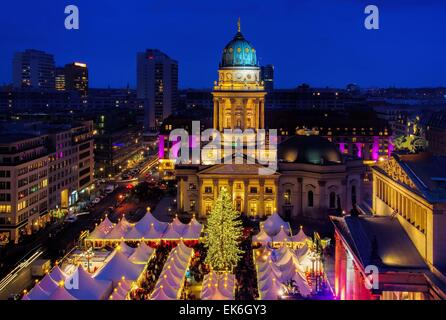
(332, 200)
(353, 195)
(310, 199)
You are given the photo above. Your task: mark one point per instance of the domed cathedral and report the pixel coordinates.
(312, 181)
(239, 94)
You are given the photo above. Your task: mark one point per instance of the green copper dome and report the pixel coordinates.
(239, 52)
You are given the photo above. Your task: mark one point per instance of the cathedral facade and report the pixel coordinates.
(312, 180)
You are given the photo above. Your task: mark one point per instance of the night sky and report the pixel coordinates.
(320, 42)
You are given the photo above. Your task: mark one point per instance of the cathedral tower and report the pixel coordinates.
(239, 94)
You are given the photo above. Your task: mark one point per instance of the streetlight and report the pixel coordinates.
(88, 254)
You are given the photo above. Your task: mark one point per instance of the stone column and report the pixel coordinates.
(245, 199)
(216, 113)
(262, 114)
(300, 196)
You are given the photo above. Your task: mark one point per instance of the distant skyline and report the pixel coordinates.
(319, 42)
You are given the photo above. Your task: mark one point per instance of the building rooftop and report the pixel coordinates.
(427, 172)
(8, 138)
(379, 240)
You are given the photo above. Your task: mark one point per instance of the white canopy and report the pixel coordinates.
(61, 294)
(57, 274)
(142, 254)
(87, 287)
(273, 224)
(36, 293)
(196, 226)
(171, 279)
(118, 267)
(171, 233)
(261, 237)
(133, 234)
(281, 236)
(300, 236)
(146, 221)
(178, 226)
(125, 249)
(102, 229)
(48, 284)
(218, 286)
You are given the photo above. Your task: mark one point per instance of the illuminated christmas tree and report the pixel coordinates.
(224, 230)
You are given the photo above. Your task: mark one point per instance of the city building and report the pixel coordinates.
(436, 133)
(60, 79)
(33, 69)
(267, 76)
(157, 86)
(356, 132)
(76, 77)
(403, 243)
(117, 142)
(23, 185)
(313, 178)
(45, 169)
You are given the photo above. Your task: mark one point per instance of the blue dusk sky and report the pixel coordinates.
(319, 42)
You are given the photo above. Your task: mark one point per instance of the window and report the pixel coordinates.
(253, 190)
(332, 200)
(269, 190)
(192, 205)
(5, 208)
(192, 186)
(207, 189)
(287, 196)
(310, 199)
(21, 205)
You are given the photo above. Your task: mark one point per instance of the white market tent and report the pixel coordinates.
(275, 267)
(57, 274)
(171, 280)
(218, 286)
(148, 228)
(262, 237)
(61, 294)
(121, 291)
(300, 236)
(125, 249)
(36, 293)
(85, 287)
(119, 267)
(142, 254)
(274, 223)
(48, 284)
(281, 236)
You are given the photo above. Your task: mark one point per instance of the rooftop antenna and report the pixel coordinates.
(238, 25)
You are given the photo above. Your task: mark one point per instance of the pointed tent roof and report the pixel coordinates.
(178, 226)
(164, 291)
(171, 233)
(125, 249)
(191, 233)
(273, 224)
(58, 275)
(61, 294)
(281, 236)
(48, 284)
(261, 237)
(133, 234)
(89, 288)
(117, 267)
(196, 226)
(270, 289)
(300, 236)
(146, 221)
(102, 229)
(142, 254)
(36, 293)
